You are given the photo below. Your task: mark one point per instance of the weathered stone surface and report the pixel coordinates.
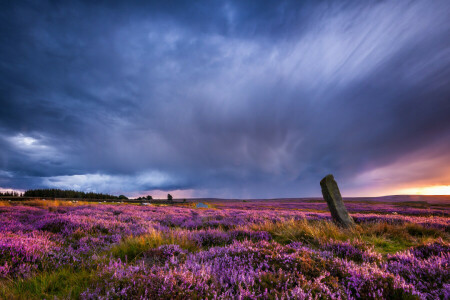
(332, 195)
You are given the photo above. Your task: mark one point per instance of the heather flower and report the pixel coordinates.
(355, 250)
(431, 275)
(227, 259)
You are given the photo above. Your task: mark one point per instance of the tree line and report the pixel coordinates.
(169, 197)
(145, 198)
(57, 193)
(11, 194)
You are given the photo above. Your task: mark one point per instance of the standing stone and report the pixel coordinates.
(332, 195)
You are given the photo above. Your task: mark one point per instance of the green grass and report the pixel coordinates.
(386, 238)
(65, 283)
(385, 245)
(309, 232)
(132, 247)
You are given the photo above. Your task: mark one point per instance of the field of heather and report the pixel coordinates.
(285, 249)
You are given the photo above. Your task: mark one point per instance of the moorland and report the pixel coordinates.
(225, 249)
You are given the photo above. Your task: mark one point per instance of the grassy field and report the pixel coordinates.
(254, 249)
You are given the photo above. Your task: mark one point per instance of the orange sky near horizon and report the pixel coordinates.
(413, 190)
(427, 190)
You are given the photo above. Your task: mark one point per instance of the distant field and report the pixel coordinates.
(266, 249)
(407, 205)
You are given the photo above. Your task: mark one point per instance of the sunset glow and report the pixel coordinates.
(427, 190)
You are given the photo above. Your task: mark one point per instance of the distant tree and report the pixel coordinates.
(184, 200)
(122, 197)
(149, 197)
(169, 197)
(11, 194)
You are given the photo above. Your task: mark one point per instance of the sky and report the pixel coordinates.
(230, 99)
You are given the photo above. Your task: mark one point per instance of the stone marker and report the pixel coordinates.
(331, 194)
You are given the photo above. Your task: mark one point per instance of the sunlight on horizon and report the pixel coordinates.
(427, 190)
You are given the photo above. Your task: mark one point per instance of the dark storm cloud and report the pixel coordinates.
(234, 98)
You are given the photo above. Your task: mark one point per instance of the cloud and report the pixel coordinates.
(115, 183)
(243, 99)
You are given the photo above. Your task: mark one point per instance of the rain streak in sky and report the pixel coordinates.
(238, 99)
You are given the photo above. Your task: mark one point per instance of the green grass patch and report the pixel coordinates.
(386, 238)
(308, 232)
(66, 283)
(132, 248)
(385, 245)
